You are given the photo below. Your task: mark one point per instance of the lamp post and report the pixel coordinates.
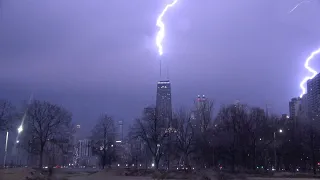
(275, 149)
(6, 149)
(20, 129)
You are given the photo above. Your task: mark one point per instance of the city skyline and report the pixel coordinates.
(67, 58)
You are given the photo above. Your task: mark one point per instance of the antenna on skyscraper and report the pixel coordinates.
(160, 68)
(167, 71)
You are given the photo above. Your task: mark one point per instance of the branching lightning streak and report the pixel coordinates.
(297, 5)
(311, 56)
(314, 72)
(160, 24)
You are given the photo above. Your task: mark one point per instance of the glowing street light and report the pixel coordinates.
(20, 129)
(275, 149)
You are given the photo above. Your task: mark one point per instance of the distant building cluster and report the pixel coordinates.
(83, 155)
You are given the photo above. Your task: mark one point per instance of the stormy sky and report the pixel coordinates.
(99, 56)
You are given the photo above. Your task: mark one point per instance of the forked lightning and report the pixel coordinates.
(161, 33)
(311, 70)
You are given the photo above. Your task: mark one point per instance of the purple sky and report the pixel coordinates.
(100, 56)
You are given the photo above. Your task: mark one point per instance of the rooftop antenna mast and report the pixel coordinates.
(168, 71)
(160, 67)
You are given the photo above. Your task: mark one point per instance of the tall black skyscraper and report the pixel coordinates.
(163, 102)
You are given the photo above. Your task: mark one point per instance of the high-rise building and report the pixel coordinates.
(85, 156)
(150, 111)
(84, 148)
(313, 97)
(294, 106)
(298, 108)
(200, 101)
(303, 110)
(163, 101)
(202, 113)
(120, 132)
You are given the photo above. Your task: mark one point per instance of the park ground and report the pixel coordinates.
(94, 174)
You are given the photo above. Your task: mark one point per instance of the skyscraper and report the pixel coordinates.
(84, 148)
(163, 101)
(294, 105)
(201, 115)
(298, 108)
(120, 132)
(313, 97)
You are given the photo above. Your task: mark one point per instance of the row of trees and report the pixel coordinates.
(239, 137)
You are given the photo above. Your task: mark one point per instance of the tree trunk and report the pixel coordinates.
(168, 163)
(254, 155)
(156, 161)
(213, 153)
(314, 163)
(186, 162)
(41, 158)
(233, 159)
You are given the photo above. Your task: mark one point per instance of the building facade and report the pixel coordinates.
(298, 108)
(313, 97)
(84, 156)
(163, 101)
(294, 106)
(201, 115)
(119, 138)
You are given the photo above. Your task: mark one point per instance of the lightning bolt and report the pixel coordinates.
(299, 4)
(161, 33)
(314, 72)
(311, 56)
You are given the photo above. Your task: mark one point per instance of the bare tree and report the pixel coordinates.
(203, 114)
(202, 122)
(259, 133)
(185, 136)
(233, 120)
(46, 124)
(7, 112)
(103, 139)
(311, 140)
(135, 152)
(153, 131)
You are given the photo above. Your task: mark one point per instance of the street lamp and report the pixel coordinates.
(274, 148)
(6, 150)
(20, 129)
